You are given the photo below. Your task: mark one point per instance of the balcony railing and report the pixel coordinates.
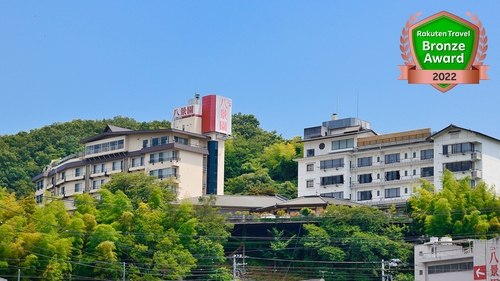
(382, 164)
(377, 182)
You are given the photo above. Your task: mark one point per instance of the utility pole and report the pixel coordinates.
(236, 264)
(123, 271)
(383, 277)
(234, 267)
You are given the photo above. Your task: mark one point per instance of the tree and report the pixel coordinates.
(457, 209)
(359, 236)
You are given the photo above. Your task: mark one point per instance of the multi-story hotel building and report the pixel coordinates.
(191, 151)
(345, 158)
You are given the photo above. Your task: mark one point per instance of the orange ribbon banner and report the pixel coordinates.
(472, 76)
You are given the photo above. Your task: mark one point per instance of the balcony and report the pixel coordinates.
(403, 162)
(476, 174)
(476, 155)
(379, 182)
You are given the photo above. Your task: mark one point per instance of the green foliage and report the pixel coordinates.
(164, 242)
(24, 155)
(357, 236)
(259, 162)
(457, 210)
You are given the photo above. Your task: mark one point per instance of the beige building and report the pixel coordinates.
(191, 152)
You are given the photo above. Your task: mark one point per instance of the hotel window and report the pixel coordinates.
(63, 190)
(392, 158)
(332, 163)
(365, 178)
(427, 172)
(427, 154)
(138, 162)
(406, 155)
(39, 185)
(63, 175)
(341, 144)
(414, 155)
(144, 143)
(332, 180)
(97, 184)
(392, 175)
(78, 172)
(459, 166)
(163, 156)
(117, 165)
(99, 168)
(310, 153)
(78, 187)
(365, 161)
(310, 183)
(392, 192)
(458, 148)
(159, 141)
(364, 195)
(181, 140)
(104, 147)
(164, 173)
(339, 194)
(462, 147)
(310, 167)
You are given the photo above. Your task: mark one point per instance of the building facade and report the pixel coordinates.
(460, 260)
(345, 158)
(191, 152)
(445, 259)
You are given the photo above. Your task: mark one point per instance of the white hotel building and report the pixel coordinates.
(191, 151)
(345, 158)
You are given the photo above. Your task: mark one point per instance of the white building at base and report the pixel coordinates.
(460, 260)
(345, 158)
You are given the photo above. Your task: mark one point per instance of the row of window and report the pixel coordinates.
(454, 267)
(115, 166)
(332, 163)
(395, 157)
(164, 173)
(104, 147)
(388, 193)
(367, 178)
(62, 191)
(458, 148)
(364, 195)
(163, 156)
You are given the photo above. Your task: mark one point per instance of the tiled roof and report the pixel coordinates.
(243, 201)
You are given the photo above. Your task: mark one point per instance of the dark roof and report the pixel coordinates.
(112, 131)
(246, 201)
(310, 201)
(348, 133)
(111, 128)
(455, 127)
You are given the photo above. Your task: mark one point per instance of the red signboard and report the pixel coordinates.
(480, 272)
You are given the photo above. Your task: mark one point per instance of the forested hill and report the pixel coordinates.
(24, 154)
(257, 161)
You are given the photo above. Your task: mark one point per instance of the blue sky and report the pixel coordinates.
(290, 63)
